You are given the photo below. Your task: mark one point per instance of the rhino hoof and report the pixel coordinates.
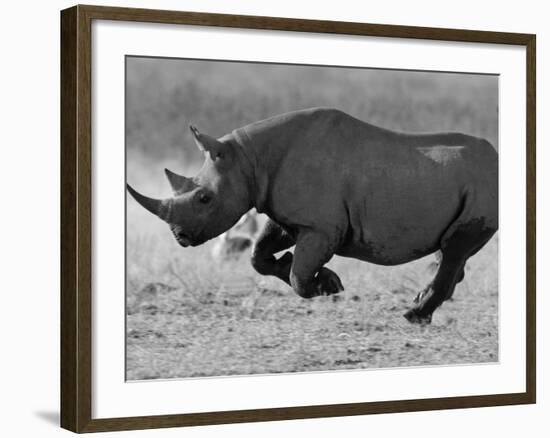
(414, 318)
(328, 283)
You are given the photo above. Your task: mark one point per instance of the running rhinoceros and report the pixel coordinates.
(332, 184)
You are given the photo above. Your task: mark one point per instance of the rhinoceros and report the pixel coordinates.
(332, 184)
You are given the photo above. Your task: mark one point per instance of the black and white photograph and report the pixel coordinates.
(275, 219)
(300, 218)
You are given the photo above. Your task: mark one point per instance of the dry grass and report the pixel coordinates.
(189, 316)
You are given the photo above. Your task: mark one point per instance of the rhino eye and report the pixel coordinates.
(204, 198)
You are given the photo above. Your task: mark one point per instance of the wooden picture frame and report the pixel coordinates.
(76, 218)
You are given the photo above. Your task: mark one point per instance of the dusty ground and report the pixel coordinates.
(190, 316)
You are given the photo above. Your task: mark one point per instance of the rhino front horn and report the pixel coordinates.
(179, 183)
(158, 207)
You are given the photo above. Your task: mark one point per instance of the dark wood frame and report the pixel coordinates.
(76, 225)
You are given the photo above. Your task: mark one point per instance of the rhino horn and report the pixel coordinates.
(158, 207)
(205, 143)
(179, 183)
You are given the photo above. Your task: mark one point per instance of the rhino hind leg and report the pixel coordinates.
(460, 242)
(435, 266)
(462, 273)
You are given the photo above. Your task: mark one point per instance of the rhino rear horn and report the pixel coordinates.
(158, 207)
(179, 183)
(205, 143)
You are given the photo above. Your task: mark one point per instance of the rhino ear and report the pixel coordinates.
(208, 144)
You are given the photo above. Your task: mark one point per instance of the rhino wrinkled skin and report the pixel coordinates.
(332, 184)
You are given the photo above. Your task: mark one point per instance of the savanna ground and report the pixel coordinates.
(189, 315)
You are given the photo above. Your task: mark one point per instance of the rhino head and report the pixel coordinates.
(208, 204)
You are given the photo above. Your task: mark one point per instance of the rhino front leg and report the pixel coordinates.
(308, 277)
(272, 240)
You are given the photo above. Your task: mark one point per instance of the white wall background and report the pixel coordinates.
(29, 175)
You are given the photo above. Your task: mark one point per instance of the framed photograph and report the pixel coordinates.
(269, 219)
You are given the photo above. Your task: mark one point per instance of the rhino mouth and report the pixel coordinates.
(183, 241)
(182, 238)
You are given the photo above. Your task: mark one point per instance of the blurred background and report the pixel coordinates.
(165, 95)
(190, 315)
